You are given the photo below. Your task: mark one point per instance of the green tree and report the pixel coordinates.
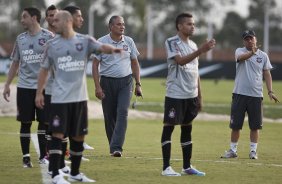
(228, 36)
(256, 20)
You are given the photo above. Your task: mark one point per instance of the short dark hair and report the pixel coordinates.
(33, 12)
(179, 19)
(112, 19)
(51, 7)
(72, 9)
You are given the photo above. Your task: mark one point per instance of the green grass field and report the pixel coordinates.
(141, 162)
(216, 96)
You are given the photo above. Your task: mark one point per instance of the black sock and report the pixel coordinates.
(25, 137)
(64, 148)
(76, 149)
(186, 144)
(41, 139)
(166, 145)
(48, 136)
(48, 143)
(55, 155)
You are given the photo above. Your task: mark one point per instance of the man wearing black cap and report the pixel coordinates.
(252, 65)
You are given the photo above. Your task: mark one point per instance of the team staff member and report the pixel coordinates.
(252, 65)
(68, 54)
(116, 85)
(26, 56)
(183, 93)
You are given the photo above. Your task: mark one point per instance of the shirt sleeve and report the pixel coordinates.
(238, 52)
(134, 52)
(267, 65)
(94, 46)
(15, 56)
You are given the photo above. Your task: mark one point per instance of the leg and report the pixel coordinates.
(255, 123)
(64, 149)
(186, 144)
(76, 149)
(235, 134)
(109, 107)
(118, 137)
(166, 145)
(41, 139)
(25, 143)
(55, 153)
(26, 114)
(238, 110)
(254, 135)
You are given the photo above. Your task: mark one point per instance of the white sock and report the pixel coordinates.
(233, 146)
(253, 146)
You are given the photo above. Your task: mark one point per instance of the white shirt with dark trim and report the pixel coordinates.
(249, 73)
(68, 58)
(117, 65)
(28, 52)
(182, 81)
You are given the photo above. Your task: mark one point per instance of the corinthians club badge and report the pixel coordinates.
(171, 113)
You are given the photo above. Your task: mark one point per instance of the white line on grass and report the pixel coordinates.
(215, 161)
(43, 167)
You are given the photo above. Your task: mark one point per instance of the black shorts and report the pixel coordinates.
(180, 111)
(26, 106)
(242, 104)
(47, 108)
(69, 118)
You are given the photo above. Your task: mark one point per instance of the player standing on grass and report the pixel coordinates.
(183, 98)
(68, 54)
(50, 14)
(252, 65)
(77, 24)
(26, 56)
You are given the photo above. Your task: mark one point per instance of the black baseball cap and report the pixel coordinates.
(248, 33)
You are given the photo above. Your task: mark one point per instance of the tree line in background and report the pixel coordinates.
(162, 19)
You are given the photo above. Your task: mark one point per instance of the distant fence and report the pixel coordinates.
(158, 68)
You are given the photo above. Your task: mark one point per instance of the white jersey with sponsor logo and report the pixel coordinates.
(117, 65)
(182, 81)
(68, 58)
(28, 51)
(249, 73)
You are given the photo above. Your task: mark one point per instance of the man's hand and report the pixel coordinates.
(39, 100)
(273, 97)
(117, 50)
(208, 45)
(138, 91)
(6, 93)
(255, 48)
(99, 93)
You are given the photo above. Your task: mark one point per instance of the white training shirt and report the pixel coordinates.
(68, 58)
(28, 52)
(182, 81)
(249, 73)
(117, 65)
